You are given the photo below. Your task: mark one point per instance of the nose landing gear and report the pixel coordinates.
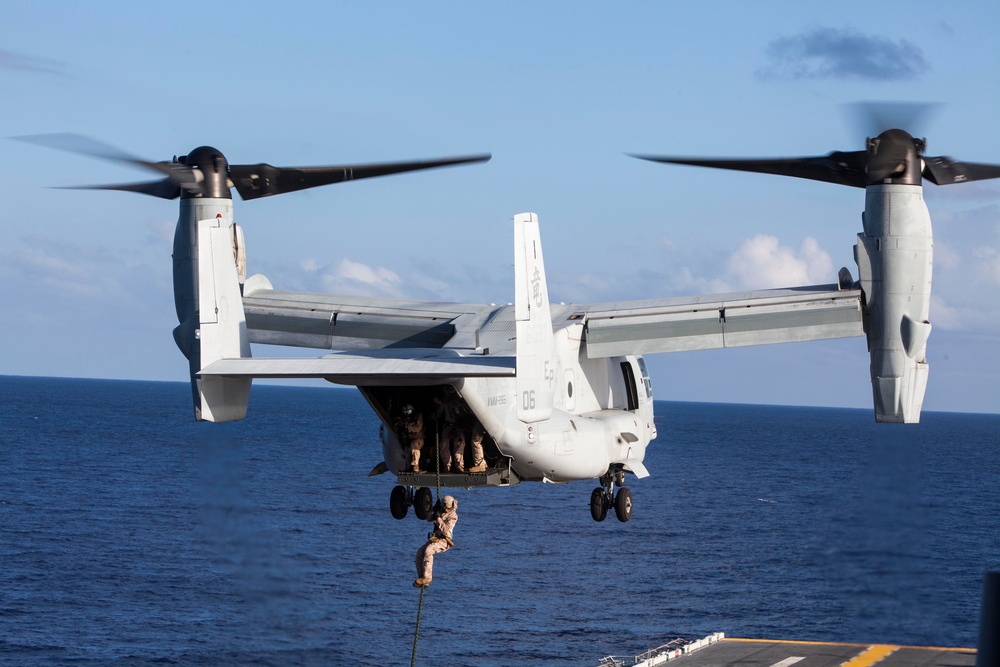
(604, 498)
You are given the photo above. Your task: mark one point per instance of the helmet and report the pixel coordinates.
(449, 503)
(407, 410)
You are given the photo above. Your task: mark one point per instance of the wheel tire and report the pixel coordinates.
(423, 503)
(598, 505)
(623, 505)
(398, 504)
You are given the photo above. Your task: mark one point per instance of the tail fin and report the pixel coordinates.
(536, 371)
(222, 322)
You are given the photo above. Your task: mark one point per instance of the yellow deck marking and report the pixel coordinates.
(871, 656)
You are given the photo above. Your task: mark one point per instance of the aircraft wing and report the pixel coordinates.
(721, 320)
(387, 367)
(350, 323)
(674, 324)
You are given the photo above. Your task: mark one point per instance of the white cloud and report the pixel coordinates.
(946, 256)
(762, 262)
(366, 274)
(352, 276)
(309, 265)
(943, 315)
(161, 233)
(59, 267)
(988, 264)
(435, 287)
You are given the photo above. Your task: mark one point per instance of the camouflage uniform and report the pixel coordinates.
(478, 462)
(437, 542)
(413, 424)
(451, 448)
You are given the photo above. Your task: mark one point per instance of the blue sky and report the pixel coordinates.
(558, 92)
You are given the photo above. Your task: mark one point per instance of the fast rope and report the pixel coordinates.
(437, 457)
(420, 605)
(416, 633)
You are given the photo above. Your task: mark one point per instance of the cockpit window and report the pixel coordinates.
(645, 378)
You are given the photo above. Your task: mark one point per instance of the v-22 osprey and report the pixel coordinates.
(560, 392)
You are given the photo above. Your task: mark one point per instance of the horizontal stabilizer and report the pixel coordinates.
(331, 322)
(382, 367)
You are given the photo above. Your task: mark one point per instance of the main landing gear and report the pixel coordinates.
(604, 497)
(403, 497)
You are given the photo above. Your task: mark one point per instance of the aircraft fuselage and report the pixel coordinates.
(601, 420)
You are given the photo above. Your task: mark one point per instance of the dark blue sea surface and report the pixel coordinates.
(131, 535)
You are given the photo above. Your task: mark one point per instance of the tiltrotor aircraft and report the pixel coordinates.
(561, 391)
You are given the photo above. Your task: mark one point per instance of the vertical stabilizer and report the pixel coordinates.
(536, 363)
(222, 323)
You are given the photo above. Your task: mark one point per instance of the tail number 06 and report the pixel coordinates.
(528, 399)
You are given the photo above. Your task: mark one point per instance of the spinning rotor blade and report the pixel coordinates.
(253, 181)
(164, 189)
(891, 155)
(873, 118)
(77, 143)
(945, 171)
(177, 175)
(205, 171)
(837, 167)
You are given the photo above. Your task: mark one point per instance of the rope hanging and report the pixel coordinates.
(420, 605)
(437, 457)
(416, 633)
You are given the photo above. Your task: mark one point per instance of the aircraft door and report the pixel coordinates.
(631, 391)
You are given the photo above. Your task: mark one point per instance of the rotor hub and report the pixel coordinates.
(213, 169)
(894, 157)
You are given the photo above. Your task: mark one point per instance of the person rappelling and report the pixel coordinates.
(440, 540)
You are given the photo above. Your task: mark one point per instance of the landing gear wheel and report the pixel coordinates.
(598, 505)
(423, 503)
(623, 505)
(399, 503)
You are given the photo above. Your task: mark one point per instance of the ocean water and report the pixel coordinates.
(131, 535)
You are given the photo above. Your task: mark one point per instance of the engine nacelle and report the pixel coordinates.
(895, 261)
